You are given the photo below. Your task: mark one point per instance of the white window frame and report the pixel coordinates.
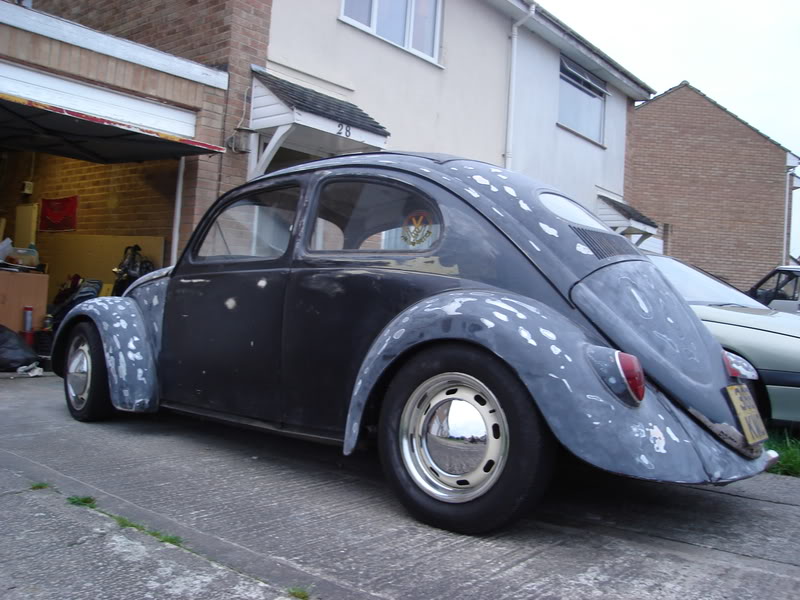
(409, 33)
(590, 85)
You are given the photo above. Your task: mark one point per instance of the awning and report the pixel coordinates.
(35, 126)
(626, 220)
(285, 113)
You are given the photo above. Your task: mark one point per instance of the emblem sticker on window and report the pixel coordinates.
(417, 228)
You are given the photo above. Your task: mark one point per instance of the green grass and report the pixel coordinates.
(789, 448)
(298, 592)
(40, 486)
(86, 501)
(124, 522)
(175, 540)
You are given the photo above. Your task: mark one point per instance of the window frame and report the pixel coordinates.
(313, 210)
(582, 80)
(192, 253)
(372, 29)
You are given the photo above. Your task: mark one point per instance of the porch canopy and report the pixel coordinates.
(286, 113)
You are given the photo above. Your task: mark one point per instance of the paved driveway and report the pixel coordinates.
(291, 513)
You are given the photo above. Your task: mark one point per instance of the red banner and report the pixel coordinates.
(59, 214)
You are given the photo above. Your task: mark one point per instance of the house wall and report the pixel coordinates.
(545, 151)
(717, 184)
(456, 107)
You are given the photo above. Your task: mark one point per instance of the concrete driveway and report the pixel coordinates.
(261, 514)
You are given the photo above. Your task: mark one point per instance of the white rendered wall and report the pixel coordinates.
(456, 107)
(571, 163)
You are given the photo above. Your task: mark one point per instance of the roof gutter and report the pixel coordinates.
(512, 79)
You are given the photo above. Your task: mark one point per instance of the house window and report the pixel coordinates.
(582, 100)
(411, 24)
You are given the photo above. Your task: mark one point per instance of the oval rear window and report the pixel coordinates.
(571, 211)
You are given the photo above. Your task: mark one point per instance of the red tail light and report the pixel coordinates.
(631, 370)
(732, 371)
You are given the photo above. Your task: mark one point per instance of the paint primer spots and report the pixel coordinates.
(548, 334)
(583, 249)
(230, 303)
(548, 230)
(501, 316)
(510, 191)
(398, 334)
(569, 387)
(642, 304)
(262, 283)
(672, 436)
(524, 206)
(657, 439)
(480, 179)
(643, 460)
(487, 322)
(555, 350)
(472, 192)
(453, 307)
(526, 335)
(507, 307)
(535, 247)
(497, 211)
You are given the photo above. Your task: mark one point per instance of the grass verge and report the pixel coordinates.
(298, 592)
(789, 448)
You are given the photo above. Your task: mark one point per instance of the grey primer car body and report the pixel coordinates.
(306, 343)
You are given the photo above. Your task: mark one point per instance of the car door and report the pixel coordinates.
(779, 291)
(224, 307)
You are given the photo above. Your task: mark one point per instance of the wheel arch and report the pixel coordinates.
(127, 348)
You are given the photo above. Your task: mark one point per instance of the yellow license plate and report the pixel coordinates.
(747, 411)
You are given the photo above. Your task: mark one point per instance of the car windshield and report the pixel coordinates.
(700, 288)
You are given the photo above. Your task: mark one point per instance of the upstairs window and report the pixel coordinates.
(582, 101)
(410, 24)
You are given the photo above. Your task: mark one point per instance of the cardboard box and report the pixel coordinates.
(18, 290)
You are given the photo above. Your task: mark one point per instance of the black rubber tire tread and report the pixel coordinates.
(532, 449)
(98, 406)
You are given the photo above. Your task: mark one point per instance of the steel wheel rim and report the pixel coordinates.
(440, 437)
(79, 373)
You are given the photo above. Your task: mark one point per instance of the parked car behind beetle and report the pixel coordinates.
(768, 339)
(780, 289)
(472, 318)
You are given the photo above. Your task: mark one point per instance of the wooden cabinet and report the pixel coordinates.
(18, 290)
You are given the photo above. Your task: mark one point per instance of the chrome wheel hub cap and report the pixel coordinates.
(79, 373)
(453, 437)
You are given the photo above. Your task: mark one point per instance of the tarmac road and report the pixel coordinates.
(260, 514)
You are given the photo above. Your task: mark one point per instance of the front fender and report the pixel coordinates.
(127, 347)
(548, 353)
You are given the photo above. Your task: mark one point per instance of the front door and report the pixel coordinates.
(224, 308)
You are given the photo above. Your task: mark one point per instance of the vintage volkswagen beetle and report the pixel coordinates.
(469, 317)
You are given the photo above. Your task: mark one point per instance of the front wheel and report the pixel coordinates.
(86, 376)
(461, 440)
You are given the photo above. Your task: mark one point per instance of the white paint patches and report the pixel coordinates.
(533, 309)
(595, 422)
(524, 206)
(548, 230)
(134, 356)
(446, 178)
(140, 375)
(472, 192)
(502, 177)
(487, 322)
(642, 459)
(453, 307)
(661, 417)
(155, 300)
(555, 350)
(501, 316)
(398, 334)
(583, 249)
(357, 387)
(505, 306)
(121, 323)
(612, 380)
(638, 430)
(568, 358)
(494, 170)
(230, 303)
(105, 326)
(493, 188)
(672, 435)
(566, 383)
(554, 376)
(497, 211)
(642, 304)
(132, 343)
(194, 280)
(480, 179)
(262, 283)
(405, 320)
(548, 334)
(453, 169)
(535, 247)
(388, 162)
(116, 342)
(122, 368)
(424, 170)
(470, 168)
(657, 439)
(669, 320)
(526, 335)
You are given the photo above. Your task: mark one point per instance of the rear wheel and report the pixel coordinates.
(461, 440)
(86, 376)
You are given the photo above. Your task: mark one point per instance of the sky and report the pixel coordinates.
(743, 55)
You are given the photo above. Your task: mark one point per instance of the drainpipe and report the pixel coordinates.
(512, 77)
(176, 219)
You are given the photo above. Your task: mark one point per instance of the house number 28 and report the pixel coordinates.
(344, 130)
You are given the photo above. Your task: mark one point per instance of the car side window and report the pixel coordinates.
(366, 216)
(787, 287)
(257, 226)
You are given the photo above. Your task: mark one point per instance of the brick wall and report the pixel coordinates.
(717, 184)
(226, 34)
(121, 199)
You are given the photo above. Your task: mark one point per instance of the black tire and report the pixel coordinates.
(418, 399)
(85, 375)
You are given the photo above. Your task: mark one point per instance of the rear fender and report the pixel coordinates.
(128, 350)
(548, 352)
